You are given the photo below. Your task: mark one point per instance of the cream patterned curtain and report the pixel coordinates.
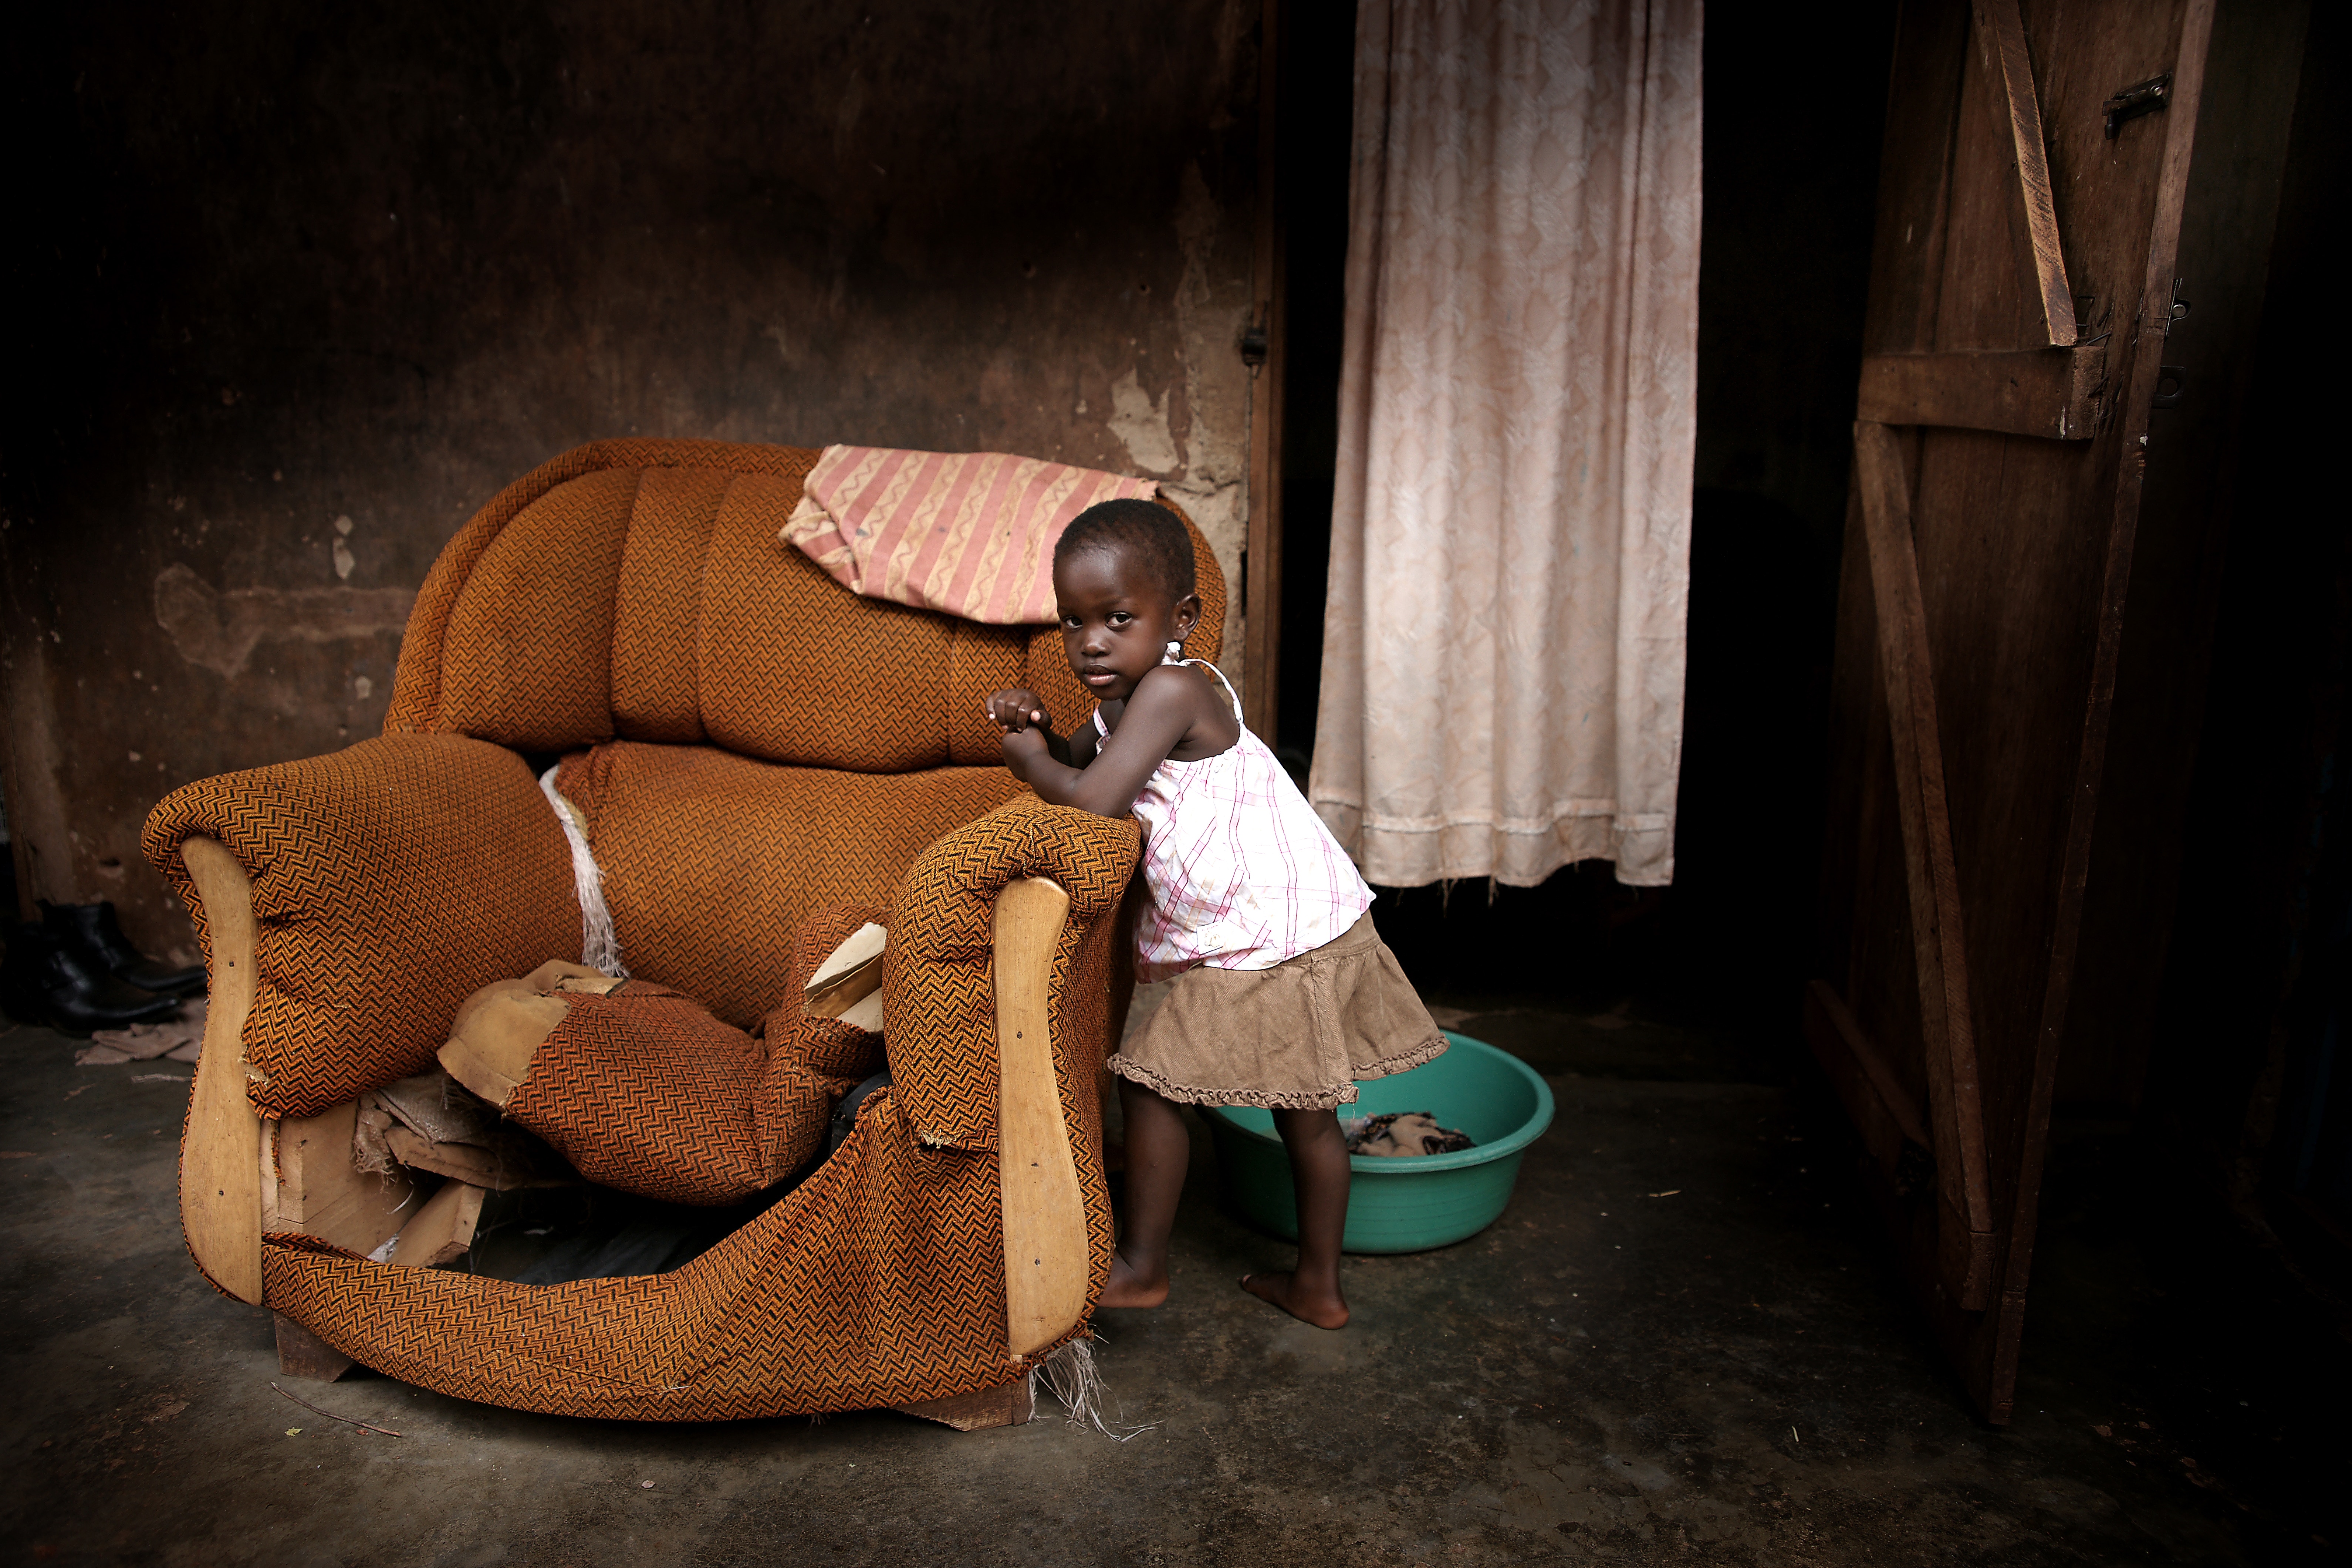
(1503, 648)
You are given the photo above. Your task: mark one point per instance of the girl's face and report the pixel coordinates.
(1116, 620)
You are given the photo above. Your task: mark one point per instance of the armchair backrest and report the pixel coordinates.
(639, 590)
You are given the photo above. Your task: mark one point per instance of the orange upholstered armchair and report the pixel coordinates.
(759, 760)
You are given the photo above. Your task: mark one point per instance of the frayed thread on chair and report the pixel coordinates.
(1069, 1374)
(600, 944)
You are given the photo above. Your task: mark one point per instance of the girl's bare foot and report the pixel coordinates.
(1324, 1308)
(1127, 1287)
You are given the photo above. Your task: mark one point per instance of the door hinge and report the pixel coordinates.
(2141, 98)
(1255, 342)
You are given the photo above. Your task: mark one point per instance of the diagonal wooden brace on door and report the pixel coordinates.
(1947, 1038)
(2001, 37)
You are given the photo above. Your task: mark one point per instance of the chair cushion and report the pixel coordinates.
(644, 1091)
(793, 669)
(712, 861)
(658, 613)
(541, 681)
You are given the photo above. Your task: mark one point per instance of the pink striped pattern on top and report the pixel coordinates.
(971, 534)
(1242, 874)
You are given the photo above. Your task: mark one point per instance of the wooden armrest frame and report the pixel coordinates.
(1046, 1266)
(220, 1164)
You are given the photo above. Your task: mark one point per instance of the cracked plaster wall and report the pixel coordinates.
(316, 283)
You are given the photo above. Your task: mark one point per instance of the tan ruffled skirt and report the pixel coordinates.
(1297, 1036)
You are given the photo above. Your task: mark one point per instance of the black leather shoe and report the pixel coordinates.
(92, 929)
(52, 981)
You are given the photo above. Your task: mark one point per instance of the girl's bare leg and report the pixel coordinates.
(1157, 1147)
(1318, 1171)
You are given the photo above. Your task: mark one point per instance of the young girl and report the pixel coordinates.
(1284, 993)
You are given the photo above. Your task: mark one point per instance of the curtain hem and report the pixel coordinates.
(1641, 846)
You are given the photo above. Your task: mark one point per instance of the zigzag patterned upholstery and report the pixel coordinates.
(391, 881)
(879, 1281)
(638, 589)
(712, 861)
(763, 759)
(645, 1091)
(937, 976)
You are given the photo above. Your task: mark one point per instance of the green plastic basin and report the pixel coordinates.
(1403, 1204)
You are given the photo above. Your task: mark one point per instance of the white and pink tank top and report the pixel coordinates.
(1242, 874)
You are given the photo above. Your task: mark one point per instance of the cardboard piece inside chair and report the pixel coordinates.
(848, 985)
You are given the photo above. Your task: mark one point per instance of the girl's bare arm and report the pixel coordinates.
(1163, 710)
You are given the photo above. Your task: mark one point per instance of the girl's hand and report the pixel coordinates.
(1024, 748)
(1017, 709)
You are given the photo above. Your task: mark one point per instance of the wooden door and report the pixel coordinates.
(2021, 286)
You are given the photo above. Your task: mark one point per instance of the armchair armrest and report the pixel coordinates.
(939, 1001)
(233, 1171)
(382, 884)
(997, 990)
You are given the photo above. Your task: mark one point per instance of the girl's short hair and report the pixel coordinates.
(1158, 539)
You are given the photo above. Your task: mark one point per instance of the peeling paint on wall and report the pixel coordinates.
(1140, 422)
(220, 630)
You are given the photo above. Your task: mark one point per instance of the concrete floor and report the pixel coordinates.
(1729, 1375)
